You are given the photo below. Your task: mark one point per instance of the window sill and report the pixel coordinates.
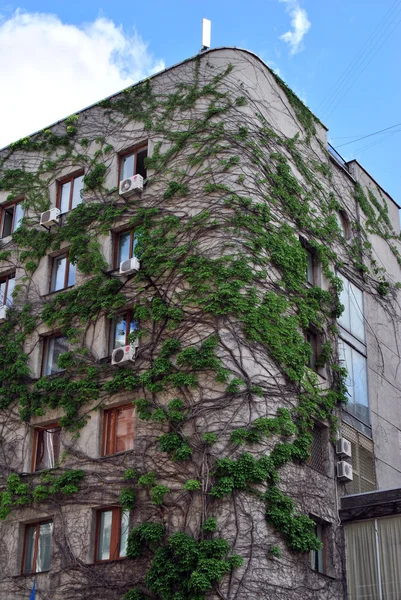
(327, 575)
(109, 560)
(117, 454)
(69, 287)
(33, 574)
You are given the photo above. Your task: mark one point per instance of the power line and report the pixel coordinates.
(369, 135)
(384, 138)
(362, 55)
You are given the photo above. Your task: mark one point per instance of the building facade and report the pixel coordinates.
(199, 336)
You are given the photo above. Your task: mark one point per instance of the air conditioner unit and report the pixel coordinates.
(3, 313)
(129, 266)
(343, 447)
(131, 185)
(50, 217)
(124, 354)
(344, 471)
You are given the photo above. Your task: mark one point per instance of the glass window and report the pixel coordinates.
(310, 267)
(318, 556)
(342, 223)
(53, 348)
(112, 534)
(70, 193)
(47, 447)
(133, 164)
(122, 326)
(6, 290)
(312, 340)
(352, 319)
(12, 217)
(356, 382)
(118, 435)
(125, 246)
(63, 273)
(37, 548)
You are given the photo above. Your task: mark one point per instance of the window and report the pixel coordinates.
(352, 318)
(63, 273)
(374, 559)
(118, 430)
(310, 267)
(11, 218)
(133, 163)
(111, 534)
(69, 193)
(7, 284)
(313, 341)
(37, 547)
(318, 449)
(53, 347)
(46, 447)
(362, 461)
(122, 326)
(124, 247)
(343, 224)
(318, 557)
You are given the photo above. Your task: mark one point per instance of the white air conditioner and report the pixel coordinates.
(344, 471)
(129, 266)
(50, 217)
(131, 185)
(124, 354)
(3, 313)
(343, 447)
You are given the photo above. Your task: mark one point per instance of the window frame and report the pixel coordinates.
(37, 430)
(116, 239)
(133, 150)
(111, 439)
(36, 544)
(7, 278)
(54, 259)
(115, 535)
(46, 341)
(324, 539)
(314, 355)
(3, 208)
(63, 181)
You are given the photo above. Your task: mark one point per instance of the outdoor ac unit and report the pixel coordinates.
(129, 266)
(344, 471)
(3, 313)
(125, 354)
(50, 217)
(130, 185)
(343, 447)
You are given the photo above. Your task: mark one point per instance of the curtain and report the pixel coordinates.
(362, 561)
(390, 556)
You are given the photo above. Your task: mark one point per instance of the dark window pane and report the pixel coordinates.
(55, 347)
(76, 192)
(3, 288)
(140, 163)
(309, 268)
(103, 552)
(29, 548)
(127, 166)
(44, 547)
(124, 247)
(48, 448)
(65, 197)
(8, 221)
(120, 332)
(125, 429)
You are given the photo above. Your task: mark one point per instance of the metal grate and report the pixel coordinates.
(363, 461)
(318, 449)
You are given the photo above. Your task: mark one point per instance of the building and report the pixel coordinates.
(172, 354)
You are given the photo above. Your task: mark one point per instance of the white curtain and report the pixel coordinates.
(362, 561)
(390, 556)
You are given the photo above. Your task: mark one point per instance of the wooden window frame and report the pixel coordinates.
(115, 534)
(35, 551)
(345, 224)
(110, 440)
(7, 279)
(324, 525)
(128, 316)
(3, 212)
(35, 443)
(126, 153)
(66, 274)
(60, 184)
(116, 238)
(46, 341)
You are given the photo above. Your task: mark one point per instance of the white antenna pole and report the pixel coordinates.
(206, 31)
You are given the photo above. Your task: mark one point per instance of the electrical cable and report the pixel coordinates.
(366, 136)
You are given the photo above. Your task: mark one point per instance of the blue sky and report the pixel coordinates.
(58, 57)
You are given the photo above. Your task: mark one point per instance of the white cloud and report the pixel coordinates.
(300, 26)
(49, 69)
